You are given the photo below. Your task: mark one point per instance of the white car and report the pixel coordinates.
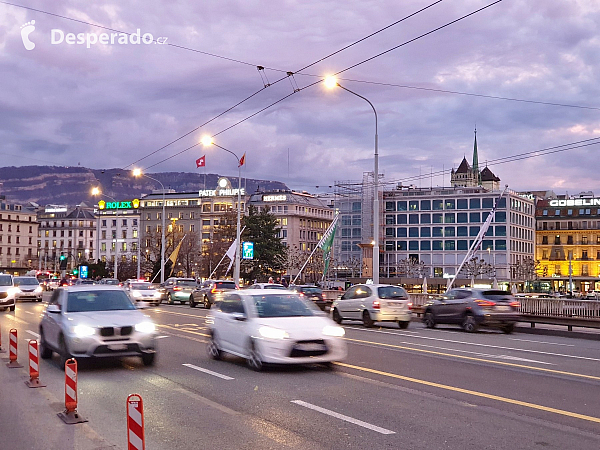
(8, 292)
(29, 288)
(373, 303)
(142, 291)
(274, 327)
(266, 286)
(95, 321)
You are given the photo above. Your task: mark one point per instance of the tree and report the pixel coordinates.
(411, 268)
(528, 270)
(213, 250)
(477, 266)
(269, 251)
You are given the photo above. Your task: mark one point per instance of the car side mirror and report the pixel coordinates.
(53, 309)
(239, 316)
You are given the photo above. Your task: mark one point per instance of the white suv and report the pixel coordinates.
(8, 291)
(373, 303)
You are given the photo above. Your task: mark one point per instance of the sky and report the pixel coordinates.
(114, 105)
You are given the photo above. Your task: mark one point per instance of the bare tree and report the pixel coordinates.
(477, 266)
(528, 269)
(411, 268)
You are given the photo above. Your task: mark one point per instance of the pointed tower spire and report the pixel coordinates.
(476, 172)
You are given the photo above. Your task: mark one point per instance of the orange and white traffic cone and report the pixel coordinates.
(12, 350)
(70, 414)
(34, 368)
(135, 423)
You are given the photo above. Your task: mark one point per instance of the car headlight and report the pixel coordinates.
(157, 294)
(83, 330)
(273, 333)
(14, 291)
(145, 327)
(38, 290)
(334, 331)
(136, 294)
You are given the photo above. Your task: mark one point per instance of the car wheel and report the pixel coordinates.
(469, 324)
(206, 303)
(403, 324)
(11, 308)
(192, 304)
(336, 316)
(508, 328)
(213, 349)
(367, 321)
(39, 299)
(253, 360)
(429, 320)
(64, 351)
(170, 300)
(45, 351)
(148, 358)
(329, 365)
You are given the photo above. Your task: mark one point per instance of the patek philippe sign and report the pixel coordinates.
(223, 190)
(130, 204)
(576, 202)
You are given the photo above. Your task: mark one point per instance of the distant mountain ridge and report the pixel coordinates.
(73, 184)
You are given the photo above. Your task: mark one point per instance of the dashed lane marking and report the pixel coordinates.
(209, 372)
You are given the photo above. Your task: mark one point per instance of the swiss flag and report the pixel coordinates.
(201, 162)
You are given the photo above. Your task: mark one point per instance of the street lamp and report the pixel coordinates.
(206, 141)
(331, 82)
(95, 192)
(138, 173)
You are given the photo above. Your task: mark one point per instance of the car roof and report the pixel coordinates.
(262, 292)
(92, 287)
(25, 276)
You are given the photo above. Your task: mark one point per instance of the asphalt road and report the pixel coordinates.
(413, 389)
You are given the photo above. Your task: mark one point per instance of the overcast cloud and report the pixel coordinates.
(109, 105)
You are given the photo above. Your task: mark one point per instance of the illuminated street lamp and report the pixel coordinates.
(95, 192)
(331, 82)
(206, 141)
(138, 173)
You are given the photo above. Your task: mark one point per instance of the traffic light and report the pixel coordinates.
(75, 271)
(63, 262)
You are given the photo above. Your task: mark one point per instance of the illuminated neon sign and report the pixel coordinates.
(132, 204)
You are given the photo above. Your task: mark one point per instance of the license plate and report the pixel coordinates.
(311, 347)
(117, 347)
(503, 308)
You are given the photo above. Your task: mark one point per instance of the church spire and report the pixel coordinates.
(475, 166)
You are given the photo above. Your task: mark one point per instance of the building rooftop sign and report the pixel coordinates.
(55, 209)
(575, 202)
(274, 198)
(223, 190)
(129, 204)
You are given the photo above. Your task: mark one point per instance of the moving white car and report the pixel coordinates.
(95, 321)
(373, 303)
(29, 289)
(273, 326)
(8, 291)
(142, 291)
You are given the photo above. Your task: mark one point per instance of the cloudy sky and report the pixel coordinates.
(112, 104)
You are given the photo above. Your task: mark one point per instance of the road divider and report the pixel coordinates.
(34, 368)
(135, 423)
(12, 350)
(70, 415)
(343, 417)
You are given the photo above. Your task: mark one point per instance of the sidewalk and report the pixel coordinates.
(28, 417)
(558, 330)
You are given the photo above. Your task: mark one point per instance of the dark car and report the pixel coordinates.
(472, 308)
(209, 291)
(315, 294)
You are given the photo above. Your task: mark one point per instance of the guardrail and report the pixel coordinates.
(553, 311)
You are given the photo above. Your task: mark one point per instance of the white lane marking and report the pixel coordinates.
(210, 372)
(161, 337)
(16, 319)
(33, 333)
(485, 345)
(360, 423)
(541, 342)
(29, 312)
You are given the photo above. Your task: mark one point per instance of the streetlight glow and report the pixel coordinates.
(95, 191)
(136, 172)
(206, 141)
(330, 82)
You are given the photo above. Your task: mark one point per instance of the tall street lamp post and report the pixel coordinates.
(331, 82)
(138, 173)
(206, 141)
(95, 192)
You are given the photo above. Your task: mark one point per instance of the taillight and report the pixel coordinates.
(515, 304)
(485, 303)
(176, 288)
(213, 291)
(301, 294)
(376, 304)
(409, 304)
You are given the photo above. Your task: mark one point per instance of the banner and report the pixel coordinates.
(326, 243)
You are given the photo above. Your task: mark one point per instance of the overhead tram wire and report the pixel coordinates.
(321, 80)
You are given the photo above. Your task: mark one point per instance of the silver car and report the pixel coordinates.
(8, 291)
(95, 321)
(373, 303)
(29, 288)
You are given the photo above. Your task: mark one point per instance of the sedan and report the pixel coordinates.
(273, 327)
(95, 321)
(472, 308)
(142, 291)
(29, 289)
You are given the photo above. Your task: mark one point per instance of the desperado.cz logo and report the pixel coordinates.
(58, 37)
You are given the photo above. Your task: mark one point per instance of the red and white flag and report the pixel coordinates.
(242, 160)
(201, 162)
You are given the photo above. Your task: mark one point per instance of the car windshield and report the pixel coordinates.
(5, 280)
(84, 301)
(225, 285)
(274, 286)
(26, 281)
(311, 290)
(281, 306)
(186, 283)
(111, 281)
(392, 292)
(142, 286)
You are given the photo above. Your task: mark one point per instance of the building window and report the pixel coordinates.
(462, 245)
(413, 245)
(499, 217)
(473, 231)
(401, 232)
(462, 231)
(390, 219)
(557, 212)
(438, 245)
(449, 218)
(425, 218)
(569, 240)
(390, 206)
(425, 232)
(425, 205)
(544, 240)
(413, 232)
(402, 219)
(500, 230)
(584, 240)
(438, 218)
(438, 205)
(401, 245)
(584, 270)
(438, 232)
(425, 245)
(389, 232)
(461, 203)
(449, 204)
(500, 244)
(487, 203)
(413, 218)
(449, 245)
(474, 203)
(413, 205)
(474, 217)
(401, 206)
